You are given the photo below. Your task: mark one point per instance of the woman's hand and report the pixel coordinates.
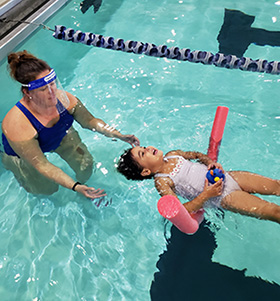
(213, 189)
(215, 165)
(131, 139)
(90, 192)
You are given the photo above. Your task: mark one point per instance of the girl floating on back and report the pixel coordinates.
(175, 174)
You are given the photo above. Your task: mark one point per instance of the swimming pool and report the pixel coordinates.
(63, 247)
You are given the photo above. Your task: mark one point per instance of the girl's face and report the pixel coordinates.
(147, 157)
(45, 95)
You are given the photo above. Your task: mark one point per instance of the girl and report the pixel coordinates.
(175, 174)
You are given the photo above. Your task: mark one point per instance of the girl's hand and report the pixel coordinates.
(214, 189)
(131, 139)
(215, 165)
(90, 192)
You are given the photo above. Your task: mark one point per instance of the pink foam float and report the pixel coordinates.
(217, 132)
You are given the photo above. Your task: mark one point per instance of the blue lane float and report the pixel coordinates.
(175, 53)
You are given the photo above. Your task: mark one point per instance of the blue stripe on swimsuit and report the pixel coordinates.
(49, 138)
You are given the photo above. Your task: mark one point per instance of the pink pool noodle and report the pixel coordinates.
(173, 210)
(170, 206)
(217, 132)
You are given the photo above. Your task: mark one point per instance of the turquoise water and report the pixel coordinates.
(64, 247)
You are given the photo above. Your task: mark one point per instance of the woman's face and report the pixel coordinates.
(46, 95)
(147, 157)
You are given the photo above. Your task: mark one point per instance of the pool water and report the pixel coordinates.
(63, 247)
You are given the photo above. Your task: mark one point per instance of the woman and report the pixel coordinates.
(42, 122)
(175, 174)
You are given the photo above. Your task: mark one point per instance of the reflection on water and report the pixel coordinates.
(67, 248)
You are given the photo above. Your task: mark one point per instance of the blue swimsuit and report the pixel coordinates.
(49, 138)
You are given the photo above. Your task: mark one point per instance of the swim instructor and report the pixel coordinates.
(42, 122)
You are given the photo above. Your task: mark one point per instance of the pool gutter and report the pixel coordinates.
(7, 6)
(22, 31)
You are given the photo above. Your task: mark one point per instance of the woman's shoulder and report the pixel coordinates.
(16, 126)
(13, 115)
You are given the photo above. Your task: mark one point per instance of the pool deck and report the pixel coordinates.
(32, 11)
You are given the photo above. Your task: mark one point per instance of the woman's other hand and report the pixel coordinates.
(90, 192)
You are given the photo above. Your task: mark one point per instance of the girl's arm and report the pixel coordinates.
(165, 186)
(88, 121)
(200, 157)
(209, 191)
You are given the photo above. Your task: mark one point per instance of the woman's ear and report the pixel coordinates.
(26, 92)
(145, 172)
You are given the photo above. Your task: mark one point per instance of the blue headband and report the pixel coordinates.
(35, 84)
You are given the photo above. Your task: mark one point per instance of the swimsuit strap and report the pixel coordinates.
(33, 120)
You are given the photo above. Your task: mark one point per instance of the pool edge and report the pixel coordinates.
(15, 37)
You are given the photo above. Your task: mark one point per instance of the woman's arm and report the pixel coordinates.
(30, 152)
(88, 121)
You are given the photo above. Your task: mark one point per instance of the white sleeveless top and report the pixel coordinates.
(189, 180)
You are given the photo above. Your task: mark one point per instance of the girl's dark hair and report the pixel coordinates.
(128, 167)
(25, 67)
